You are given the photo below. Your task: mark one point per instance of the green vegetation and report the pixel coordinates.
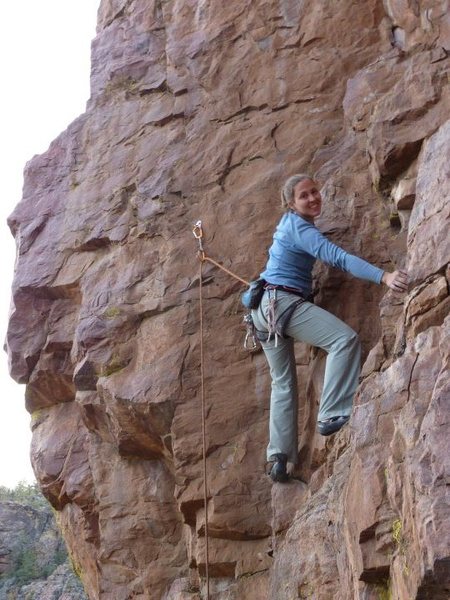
(28, 559)
(384, 592)
(36, 417)
(76, 568)
(399, 539)
(27, 567)
(114, 365)
(112, 312)
(25, 493)
(397, 531)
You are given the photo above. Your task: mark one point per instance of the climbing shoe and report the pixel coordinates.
(331, 425)
(278, 471)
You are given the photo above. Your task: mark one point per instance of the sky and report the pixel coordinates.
(45, 54)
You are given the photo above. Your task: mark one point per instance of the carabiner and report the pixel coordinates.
(198, 234)
(250, 336)
(198, 231)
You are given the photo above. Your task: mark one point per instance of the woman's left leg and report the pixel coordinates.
(318, 327)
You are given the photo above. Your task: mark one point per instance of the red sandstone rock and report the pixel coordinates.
(200, 110)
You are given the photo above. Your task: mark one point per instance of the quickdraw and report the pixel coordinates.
(198, 234)
(250, 340)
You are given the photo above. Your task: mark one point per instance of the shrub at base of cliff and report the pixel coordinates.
(34, 562)
(28, 567)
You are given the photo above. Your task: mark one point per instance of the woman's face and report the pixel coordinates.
(307, 200)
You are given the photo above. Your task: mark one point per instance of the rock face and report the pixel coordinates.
(201, 110)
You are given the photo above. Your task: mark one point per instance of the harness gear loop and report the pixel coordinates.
(271, 318)
(276, 321)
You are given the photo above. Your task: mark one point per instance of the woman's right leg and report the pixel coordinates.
(283, 399)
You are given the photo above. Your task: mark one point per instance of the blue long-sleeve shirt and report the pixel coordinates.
(296, 245)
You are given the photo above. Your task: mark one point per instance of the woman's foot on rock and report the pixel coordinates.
(278, 472)
(332, 425)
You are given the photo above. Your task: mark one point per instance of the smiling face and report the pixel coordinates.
(307, 200)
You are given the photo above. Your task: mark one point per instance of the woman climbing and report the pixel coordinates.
(286, 314)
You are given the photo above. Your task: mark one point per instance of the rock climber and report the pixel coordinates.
(286, 313)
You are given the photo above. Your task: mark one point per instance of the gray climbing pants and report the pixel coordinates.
(312, 325)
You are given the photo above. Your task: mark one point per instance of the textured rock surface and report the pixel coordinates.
(200, 110)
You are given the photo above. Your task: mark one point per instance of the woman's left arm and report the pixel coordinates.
(310, 239)
(397, 280)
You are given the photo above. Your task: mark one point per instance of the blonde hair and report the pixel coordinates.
(287, 191)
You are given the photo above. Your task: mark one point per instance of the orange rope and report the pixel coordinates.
(198, 234)
(203, 258)
(205, 485)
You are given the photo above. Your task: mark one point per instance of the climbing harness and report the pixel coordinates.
(276, 323)
(250, 343)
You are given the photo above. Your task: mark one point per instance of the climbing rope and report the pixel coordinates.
(198, 234)
(202, 393)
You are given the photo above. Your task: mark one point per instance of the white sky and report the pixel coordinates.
(45, 56)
